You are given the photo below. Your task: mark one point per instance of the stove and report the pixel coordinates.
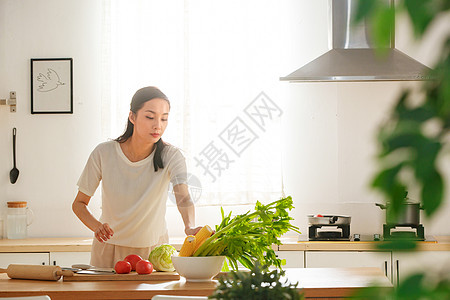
(408, 231)
(341, 232)
(376, 237)
(329, 232)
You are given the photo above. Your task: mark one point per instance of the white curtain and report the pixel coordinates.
(219, 64)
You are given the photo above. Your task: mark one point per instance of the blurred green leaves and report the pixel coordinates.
(404, 134)
(413, 138)
(421, 13)
(415, 287)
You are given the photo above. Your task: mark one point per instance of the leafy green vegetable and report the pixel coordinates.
(161, 259)
(249, 237)
(259, 283)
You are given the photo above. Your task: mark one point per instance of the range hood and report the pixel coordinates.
(352, 57)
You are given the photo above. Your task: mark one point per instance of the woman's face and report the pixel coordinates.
(150, 121)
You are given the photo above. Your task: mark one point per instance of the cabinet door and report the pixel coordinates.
(294, 259)
(24, 258)
(433, 262)
(67, 259)
(345, 259)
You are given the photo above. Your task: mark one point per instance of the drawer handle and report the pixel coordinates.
(398, 273)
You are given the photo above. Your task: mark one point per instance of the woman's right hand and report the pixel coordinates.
(103, 232)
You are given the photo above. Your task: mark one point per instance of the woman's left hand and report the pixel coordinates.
(192, 230)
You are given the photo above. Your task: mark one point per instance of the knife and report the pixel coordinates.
(91, 270)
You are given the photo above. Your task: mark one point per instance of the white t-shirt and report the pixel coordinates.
(134, 196)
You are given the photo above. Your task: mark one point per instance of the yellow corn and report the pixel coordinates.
(188, 246)
(202, 235)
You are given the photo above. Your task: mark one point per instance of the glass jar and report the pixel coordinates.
(18, 218)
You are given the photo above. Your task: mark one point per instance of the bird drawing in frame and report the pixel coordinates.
(49, 82)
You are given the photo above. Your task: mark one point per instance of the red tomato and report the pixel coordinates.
(122, 267)
(144, 267)
(133, 259)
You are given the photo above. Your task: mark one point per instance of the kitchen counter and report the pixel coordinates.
(46, 245)
(57, 245)
(289, 243)
(316, 283)
(62, 244)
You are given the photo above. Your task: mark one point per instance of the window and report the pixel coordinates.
(219, 63)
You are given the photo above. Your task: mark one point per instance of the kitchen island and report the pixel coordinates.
(315, 283)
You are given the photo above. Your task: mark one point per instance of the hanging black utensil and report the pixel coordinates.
(14, 173)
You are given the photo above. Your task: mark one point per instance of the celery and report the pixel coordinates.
(248, 238)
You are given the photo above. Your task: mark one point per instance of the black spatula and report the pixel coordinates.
(14, 173)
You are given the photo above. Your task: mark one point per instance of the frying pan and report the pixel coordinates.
(329, 220)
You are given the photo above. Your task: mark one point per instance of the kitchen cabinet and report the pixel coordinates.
(63, 259)
(67, 259)
(343, 259)
(294, 259)
(24, 258)
(407, 263)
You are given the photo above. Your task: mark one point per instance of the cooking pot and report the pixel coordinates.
(408, 214)
(329, 220)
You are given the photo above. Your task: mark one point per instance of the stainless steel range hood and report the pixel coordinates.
(352, 57)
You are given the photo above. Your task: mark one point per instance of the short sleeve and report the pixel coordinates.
(91, 176)
(177, 167)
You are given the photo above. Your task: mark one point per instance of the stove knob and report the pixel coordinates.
(376, 237)
(356, 237)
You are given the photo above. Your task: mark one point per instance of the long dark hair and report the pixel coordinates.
(140, 97)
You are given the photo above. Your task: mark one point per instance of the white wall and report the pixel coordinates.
(51, 149)
(329, 128)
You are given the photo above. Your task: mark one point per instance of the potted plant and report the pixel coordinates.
(259, 283)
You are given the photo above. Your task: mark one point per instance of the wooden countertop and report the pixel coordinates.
(316, 283)
(46, 245)
(79, 244)
(289, 243)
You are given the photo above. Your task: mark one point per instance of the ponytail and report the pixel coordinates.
(157, 158)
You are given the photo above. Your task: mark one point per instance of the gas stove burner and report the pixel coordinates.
(329, 232)
(396, 231)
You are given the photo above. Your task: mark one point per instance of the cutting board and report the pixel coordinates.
(155, 276)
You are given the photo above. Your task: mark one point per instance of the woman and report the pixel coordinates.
(135, 170)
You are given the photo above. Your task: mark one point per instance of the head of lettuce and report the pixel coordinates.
(161, 259)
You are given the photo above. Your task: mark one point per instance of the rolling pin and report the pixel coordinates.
(37, 272)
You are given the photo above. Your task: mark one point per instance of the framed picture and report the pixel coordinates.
(51, 86)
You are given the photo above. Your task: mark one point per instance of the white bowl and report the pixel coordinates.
(201, 268)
